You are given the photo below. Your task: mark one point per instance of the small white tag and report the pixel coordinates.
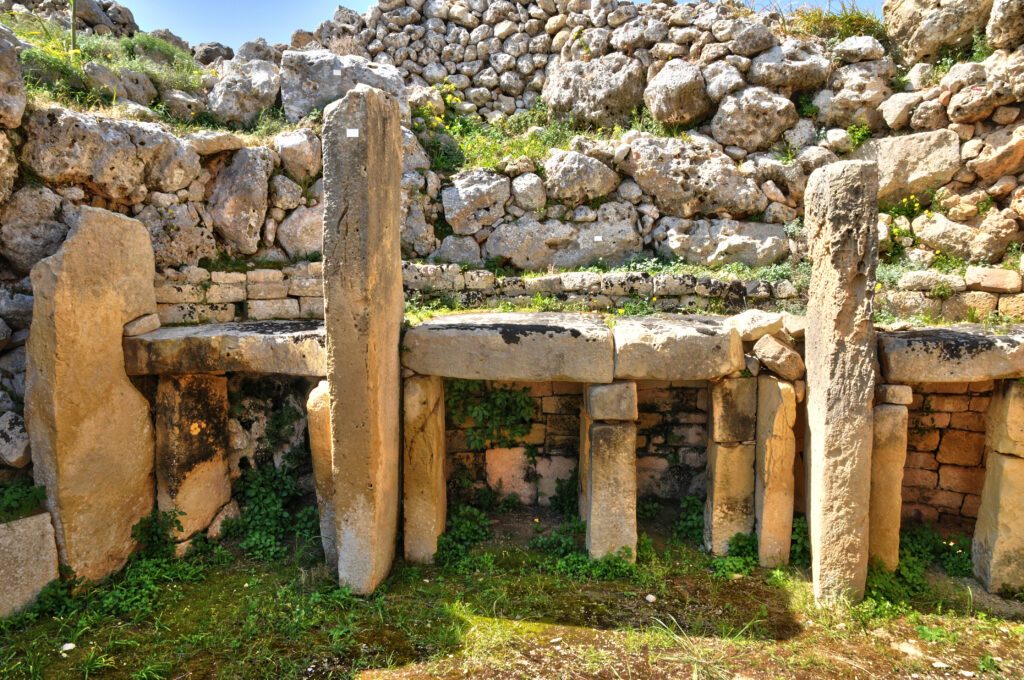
(337, 72)
(598, 239)
(351, 132)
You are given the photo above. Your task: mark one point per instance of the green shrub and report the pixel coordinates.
(566, 499)
(493, 416)
(741, 559)
(155, 533)
(690, 526)
(846, 21)
(264, 494)
(467, 527)
(800, 546)
(577, 566)
(858, 134)
(20, 498)
(805, 105)
(560, 541)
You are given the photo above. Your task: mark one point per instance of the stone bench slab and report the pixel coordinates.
(676, 347)
(967, 353)
(519, 347)
(269, 347)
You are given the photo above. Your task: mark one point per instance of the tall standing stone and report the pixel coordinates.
(423, 488)
(92, 438)
(729, 508)
(841, 215)
(888, 457)
(363, 319)
(611, 488)
(775, 452)
(998, 547)
(191, 445)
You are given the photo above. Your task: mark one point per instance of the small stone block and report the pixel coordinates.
(28, 561)
(142, 325)
(901, 395)
(617, 401)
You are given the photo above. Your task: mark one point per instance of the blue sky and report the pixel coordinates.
(234, 21)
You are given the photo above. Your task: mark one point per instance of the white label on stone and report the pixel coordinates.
(337, 71)
(351, 132)
(598, 239)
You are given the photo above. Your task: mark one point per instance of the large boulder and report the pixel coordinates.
(718, 242)
(921, 28)
(676, 96)
(528, 243)
(795, 65)
(691, 177)
(301, 154)
(245, 89)
(238, 203)
(1006, 24)
(985, 242)
(602, 92)
(1002, 153)
(476, 199)
(32, 227)
(12, 87)
(910, 164)
(576, 178)
(117, 159)
(312, 79)
(302, 232)
(753, 119)
(207, 53)
(178, 236)
(612, 238)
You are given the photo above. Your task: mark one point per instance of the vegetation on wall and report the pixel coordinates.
(20, 498)
(492, 416)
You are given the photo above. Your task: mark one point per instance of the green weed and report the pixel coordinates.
(20, 498)
(690, 526)
(493, 416)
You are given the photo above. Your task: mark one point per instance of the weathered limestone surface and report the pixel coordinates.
(841, 222)
(28, 561)
(729, 509)
(617, 401)
(92, 439)
(283, 347)
(888, 456)
(775, 453)
(734, 410)
(423, 481)
(960, 354)
(1004, 427)
(611, 489)
(363, 309)
(999, 533)
(512, 346)
(508, 472)
(318, 419)
(191, 442)
(673, 347)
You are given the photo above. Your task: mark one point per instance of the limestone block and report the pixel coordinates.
(363, 319)
(281, 347)
(423, 482)
(508, 473)
(999, 532)
(28, 561)
(142, 325)
(729, 508)
(952, 355)
(779, 358)
(611, 489)
(91, 434)
(318, 419)
(512, 347)
(195, 314)
(675, 347)
(734, 410)
(14, 441)
(894, 394)
(191, 418)
(261, 310)
(774, 456)
(1004, 422)
(617, 401)
(888, 457)
(551, 470)
(753, 324)
(842, 216)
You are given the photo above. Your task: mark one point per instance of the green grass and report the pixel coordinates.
(838, 21)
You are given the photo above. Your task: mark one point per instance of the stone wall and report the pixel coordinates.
(945, 469)
(671, 443)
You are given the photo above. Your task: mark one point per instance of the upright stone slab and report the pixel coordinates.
(1004, 426)
(191, 444)
(998, 548)
(92, 438)
(841, 216)
(318, 419)
(729, 509)
(888, 457)
(734, 410)
(28, 561)
(424, 496)
(775, 453)
(363, 309)
(611, 489)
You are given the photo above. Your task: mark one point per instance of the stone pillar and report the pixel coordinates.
(92, 438)
(729, 509)
(999, 532)
(425, 501)
(191, 445)
(608, 468)
(318, 419)
(888, 457)
(775, 454)
(363, 309)
(841, 215)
